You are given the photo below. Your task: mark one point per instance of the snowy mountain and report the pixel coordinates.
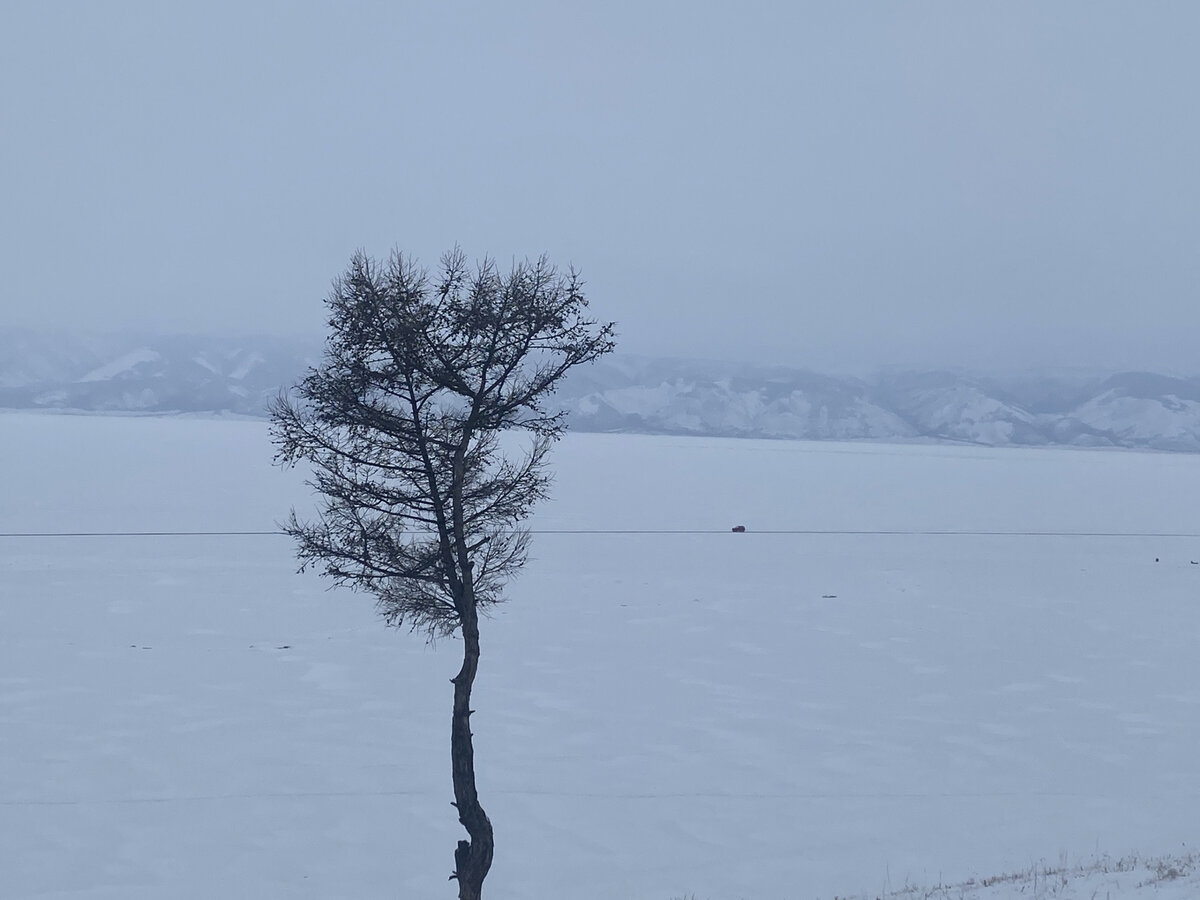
(958, 408)
(1088, 410)
(660, 396)
(1140, 409)
(706, 398)
(146, 374)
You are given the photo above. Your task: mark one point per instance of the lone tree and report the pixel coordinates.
(421, 503)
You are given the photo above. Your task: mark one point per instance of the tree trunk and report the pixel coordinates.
(473, 858)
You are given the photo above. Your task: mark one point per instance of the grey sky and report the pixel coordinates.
(832, 184)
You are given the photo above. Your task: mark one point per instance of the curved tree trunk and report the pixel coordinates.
(473, 858)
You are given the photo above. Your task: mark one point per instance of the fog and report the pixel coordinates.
(826, 185)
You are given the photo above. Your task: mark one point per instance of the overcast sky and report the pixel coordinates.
(833, 185)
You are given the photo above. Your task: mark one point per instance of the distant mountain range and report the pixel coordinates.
(115, 373)
(125, 374)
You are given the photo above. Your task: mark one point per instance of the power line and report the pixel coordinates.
(590, 795)
(896, 532)
(137, 534)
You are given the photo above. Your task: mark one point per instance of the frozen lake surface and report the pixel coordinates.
(738, 717)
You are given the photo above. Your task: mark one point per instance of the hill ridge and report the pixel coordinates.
(163, 374)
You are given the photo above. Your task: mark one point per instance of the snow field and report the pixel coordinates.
(659, 715)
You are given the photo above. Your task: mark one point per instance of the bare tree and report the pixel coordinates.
(421, 502)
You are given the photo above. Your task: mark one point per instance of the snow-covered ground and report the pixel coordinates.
(730, 717)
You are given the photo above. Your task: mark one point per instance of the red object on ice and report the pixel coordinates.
(739, 528)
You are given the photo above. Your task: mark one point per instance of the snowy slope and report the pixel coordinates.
(734, 717)
(730, 401)
(146, 374)
(1138, 408)
(127, 365)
